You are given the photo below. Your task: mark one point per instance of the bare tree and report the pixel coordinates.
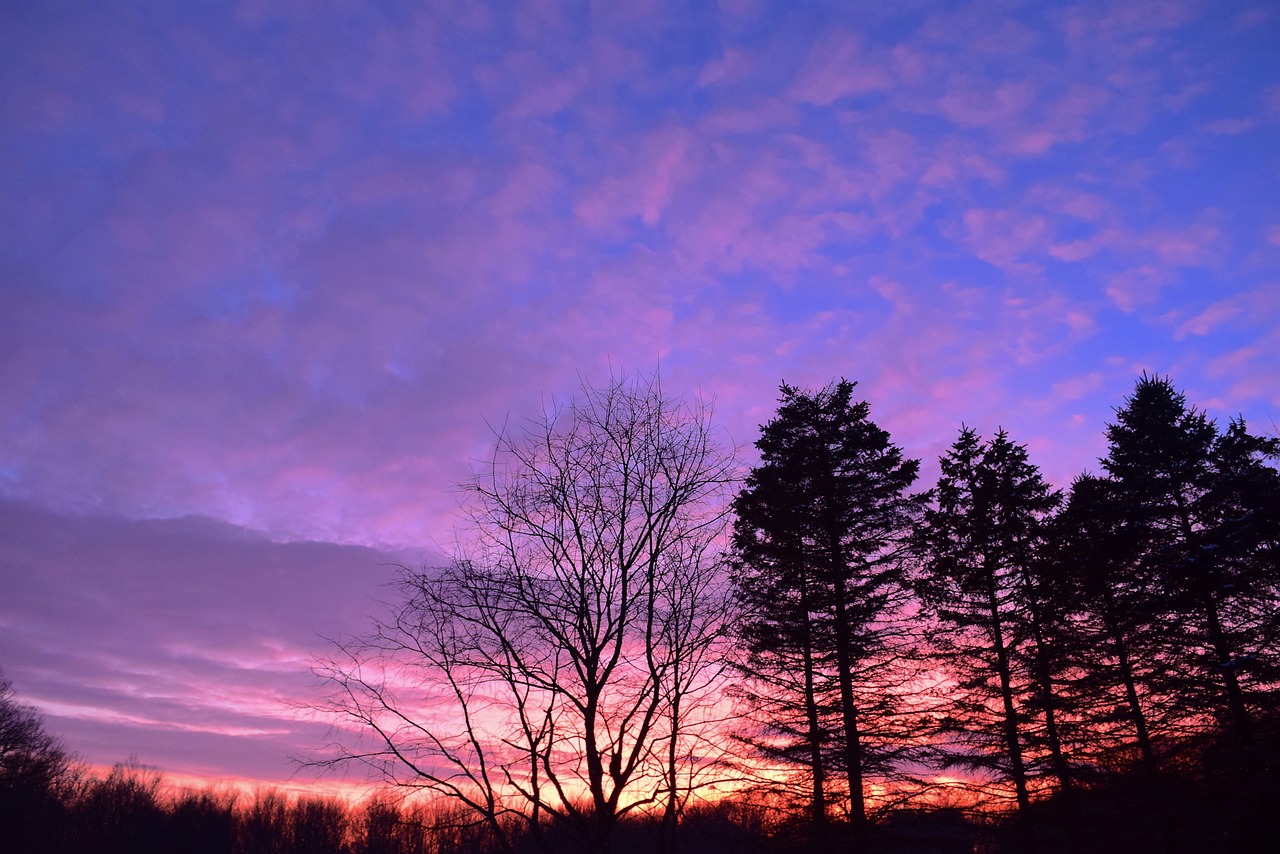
(567, 671)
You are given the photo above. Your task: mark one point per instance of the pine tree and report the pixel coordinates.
(1119, 690)
(819, 527)
(978, 580)
(1204, 505)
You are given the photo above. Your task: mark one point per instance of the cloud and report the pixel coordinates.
(734, 65)
(838, 67)
(1006, 239)
(641, 187)
(1075, 388)
(1135, 287)
(122, 631)
(1230, 127)
(1208, 320)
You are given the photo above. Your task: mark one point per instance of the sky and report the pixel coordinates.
(272, 272)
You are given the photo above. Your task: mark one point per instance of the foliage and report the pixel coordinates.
(980, 552)
(819, 574)
(1204, 506)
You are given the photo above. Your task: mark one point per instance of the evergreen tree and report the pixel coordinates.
(819, 526)
(1120, 689)
(979, 582)
(1121, 692)
(1204, 506)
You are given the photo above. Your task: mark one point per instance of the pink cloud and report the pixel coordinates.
(1068, 198)
(641, 187)
(911, 65)
(1135, 287)
(1125, 30)
(955, 164)
(542, 88)
(202, 635)
(1230, 127)
(980, 30)
(1195, 245)
(537, 21)
(1249, 372)
(1078, 387)
(1006, 239)
(839, 67)
(427, 89)
(759, 116)
(733, 66)
(1271, 102)
(971, 103)
(1074, 250)
(1208, 320)
(1070, 118)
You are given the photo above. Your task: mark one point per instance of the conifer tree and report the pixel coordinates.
(978, 581)
(820, 523)
(1120, 690)
(1204, 505)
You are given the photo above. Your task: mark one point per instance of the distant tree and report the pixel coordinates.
(1205, 505)
(381, 827)
(567, 671)
(122, 813)
(35, 773)
(817, 537)
(202, 822)
(979, 549)
(319, 826)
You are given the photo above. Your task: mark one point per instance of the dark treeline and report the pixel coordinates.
(991, 664)
(1099, 665)
(129, 811)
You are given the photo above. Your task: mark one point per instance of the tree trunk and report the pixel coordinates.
(849, 715)
(819, 807)
(1242, 724)
(1012, 743)
(1044, 680)
(1132, 701)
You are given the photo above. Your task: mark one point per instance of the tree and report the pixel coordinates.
(35, 772)
(1203, 504)
(979, 550)
(566, 672)
(1121, 688)
(816, 538)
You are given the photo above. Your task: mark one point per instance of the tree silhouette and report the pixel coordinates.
(979, 555)
(566, 672)
(1204, 505)
(817, 535)
(1120, 689)
(35, 773)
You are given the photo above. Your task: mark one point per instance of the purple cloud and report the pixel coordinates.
(184, 639)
